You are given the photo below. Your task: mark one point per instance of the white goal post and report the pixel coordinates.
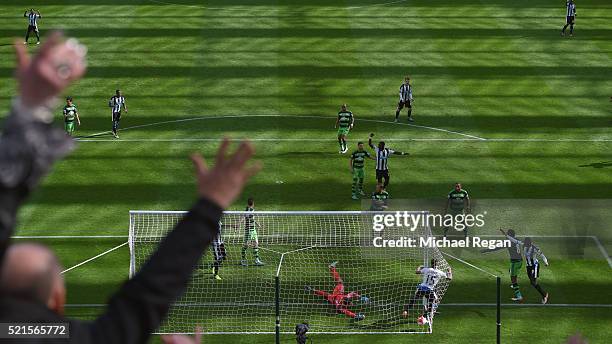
(296, 283)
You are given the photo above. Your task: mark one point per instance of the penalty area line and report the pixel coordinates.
(95, 257)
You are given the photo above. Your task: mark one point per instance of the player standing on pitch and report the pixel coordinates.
(116, 103)
(458, 203)
(250, 235)
(570, 17)
(344, 123)
(531, 253)
(379, 198)
(219, 253)
(405, 95)
(427, 288)
(357, 163)
(516, 262)
(70, 115)
(33, 16)
(382, 155)
(338, 298)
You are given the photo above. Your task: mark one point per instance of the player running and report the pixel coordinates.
(219, 253)
(250, 235)
(33, 16)
(357, 163)
(338, 297)
(458, 203)
(70, 115)
(116, 103)
(344, 123)
(405, 94)
(516, 262)
(570, 17)
(427, 288)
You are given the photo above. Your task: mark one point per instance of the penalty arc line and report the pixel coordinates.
(95, 257)
(255, 10)
(312, 117)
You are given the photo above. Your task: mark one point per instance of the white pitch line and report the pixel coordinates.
(67, 236)
(602, 250)
(299, 116)
(92, 258)
(266, 10)
(442, 305)
(331, 140)
(468, 264)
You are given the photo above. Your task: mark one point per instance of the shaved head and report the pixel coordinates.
(32, 272)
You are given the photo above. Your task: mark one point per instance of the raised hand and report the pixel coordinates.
(58, 63)
(223, 183)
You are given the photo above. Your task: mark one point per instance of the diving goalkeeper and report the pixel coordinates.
(338, 297)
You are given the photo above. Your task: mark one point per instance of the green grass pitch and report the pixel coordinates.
(276, 71)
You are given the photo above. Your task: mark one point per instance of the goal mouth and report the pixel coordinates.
(289, 267)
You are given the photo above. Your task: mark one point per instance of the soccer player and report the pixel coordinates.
(531, 253)
(344, 123)
(219, 253)
(458, 202)
(357, 163)
(250, 234)
(379, 198)
(570, 17)
(338, 297)
(382, 154)
(116, 103)
(33, 16)
(427, 288)
(70, 115)
(405, 94)
(516, 262)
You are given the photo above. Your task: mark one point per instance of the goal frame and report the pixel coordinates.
(277, 326)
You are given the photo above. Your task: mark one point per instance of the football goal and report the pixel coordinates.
(315, 267)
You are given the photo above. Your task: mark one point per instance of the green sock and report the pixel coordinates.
(256, 252)
(243, 252)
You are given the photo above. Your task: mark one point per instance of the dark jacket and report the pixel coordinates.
(141, 304)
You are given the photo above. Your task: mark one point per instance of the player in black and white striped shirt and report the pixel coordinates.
(116, 103)
(405, 100)
(382, 155)
(570, 17)
(531, 253)
(33, 16)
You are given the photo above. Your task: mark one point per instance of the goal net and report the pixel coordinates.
(297, 248)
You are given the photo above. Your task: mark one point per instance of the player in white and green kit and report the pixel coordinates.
(344, 123)
(250, 235)
(357, 163)
(70, 116)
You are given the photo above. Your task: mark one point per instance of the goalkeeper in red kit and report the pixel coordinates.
(338, 297)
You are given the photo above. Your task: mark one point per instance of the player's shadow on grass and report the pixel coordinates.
(603, 164)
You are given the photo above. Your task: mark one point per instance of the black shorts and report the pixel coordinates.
(406, 103)
(219, 252)
(116, 116)
(570, 19)
(380, 174)
(32, 28)
(533, 272)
